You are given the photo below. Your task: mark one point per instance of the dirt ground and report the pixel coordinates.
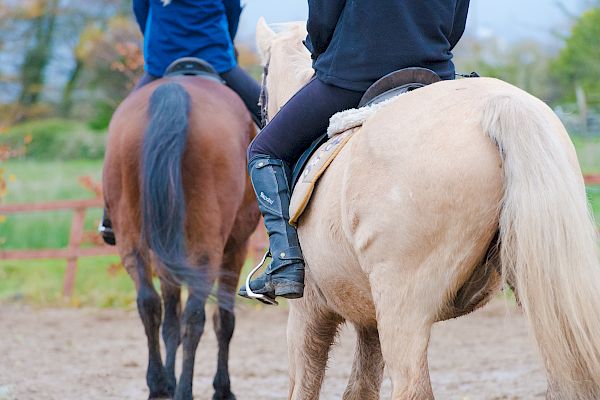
(101, 354)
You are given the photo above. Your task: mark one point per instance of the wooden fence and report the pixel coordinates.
(74, 250)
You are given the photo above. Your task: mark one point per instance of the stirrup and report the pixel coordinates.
(257, 296)
(104, 229)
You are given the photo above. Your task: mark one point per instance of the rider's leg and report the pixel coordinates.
(105, 228)
(277, 147)
(247, 88)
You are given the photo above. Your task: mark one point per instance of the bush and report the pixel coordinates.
(102, 116)
(55, 138)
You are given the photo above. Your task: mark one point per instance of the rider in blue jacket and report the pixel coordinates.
(191, 28)
(194, 28)
(353, 44)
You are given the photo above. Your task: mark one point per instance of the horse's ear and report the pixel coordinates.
(264, 39)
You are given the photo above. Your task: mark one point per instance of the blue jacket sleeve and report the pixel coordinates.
(460, 20)
(233, 9)
(140, 10)
(323, 16)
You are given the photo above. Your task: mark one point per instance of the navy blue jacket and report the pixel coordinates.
(188, 28)
(355, 42)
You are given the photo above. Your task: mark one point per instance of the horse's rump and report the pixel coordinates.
(212, 165)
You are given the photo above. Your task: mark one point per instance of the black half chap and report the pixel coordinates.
(301, 120)
(238, 80)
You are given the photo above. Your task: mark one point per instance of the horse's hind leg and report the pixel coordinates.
(310, 332)
(192, 324)
(367, 368)
(224, 317)
(149, 308)
(407, 303)
(171, 329)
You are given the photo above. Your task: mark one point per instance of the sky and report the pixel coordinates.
(510, 20)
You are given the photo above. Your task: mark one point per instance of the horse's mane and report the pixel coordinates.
(290, 36)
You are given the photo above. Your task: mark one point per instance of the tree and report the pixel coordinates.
(43, 15)
(578, 63)
(113, 62)
(524, 64)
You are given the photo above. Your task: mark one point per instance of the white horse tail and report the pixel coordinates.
(549, 249)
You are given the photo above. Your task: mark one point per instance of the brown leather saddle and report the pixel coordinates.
(398, 82)
(192, 66)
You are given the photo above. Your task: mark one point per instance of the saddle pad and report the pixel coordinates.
(315, 167)
(342, 126)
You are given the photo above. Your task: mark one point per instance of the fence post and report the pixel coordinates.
(74, 243)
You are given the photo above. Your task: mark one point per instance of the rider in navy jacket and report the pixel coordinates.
(354, 43)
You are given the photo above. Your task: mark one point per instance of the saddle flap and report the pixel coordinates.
(192, 66)
(315, 167)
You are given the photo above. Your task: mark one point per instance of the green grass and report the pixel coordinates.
(41, 182)
(588, 152)
(98, 282)
(38, 181)
(56, 139)
(594, 197)
(40, 281)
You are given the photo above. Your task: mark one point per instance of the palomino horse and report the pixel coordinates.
(441, 196)
(177, 191)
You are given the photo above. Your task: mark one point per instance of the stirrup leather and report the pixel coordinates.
(257, 296)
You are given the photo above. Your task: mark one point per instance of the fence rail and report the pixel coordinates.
(74, 250)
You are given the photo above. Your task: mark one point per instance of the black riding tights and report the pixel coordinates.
(301, 120)
(238, 80)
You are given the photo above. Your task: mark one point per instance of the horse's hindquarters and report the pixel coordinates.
(397, 224)
(414, 193)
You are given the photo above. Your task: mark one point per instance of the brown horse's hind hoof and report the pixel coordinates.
(228, 396)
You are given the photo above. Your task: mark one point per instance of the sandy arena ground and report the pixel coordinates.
(101, 354)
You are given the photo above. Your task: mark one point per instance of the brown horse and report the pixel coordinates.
(177, 191)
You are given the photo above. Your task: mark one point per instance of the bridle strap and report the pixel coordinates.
(263, 101)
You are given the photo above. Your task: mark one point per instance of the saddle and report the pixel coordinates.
(315, 160)
(192, 66)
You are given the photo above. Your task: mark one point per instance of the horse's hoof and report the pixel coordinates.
(223, 396)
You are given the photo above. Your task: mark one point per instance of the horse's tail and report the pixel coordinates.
(163, 200)
(548, 241)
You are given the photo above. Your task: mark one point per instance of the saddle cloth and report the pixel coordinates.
(342, 126)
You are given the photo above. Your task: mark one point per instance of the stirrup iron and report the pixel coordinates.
(257, 296)
(104, 229)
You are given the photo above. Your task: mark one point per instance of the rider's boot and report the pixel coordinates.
(106, 230)
(285, 275)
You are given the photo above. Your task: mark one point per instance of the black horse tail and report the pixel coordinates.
(163, 200)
